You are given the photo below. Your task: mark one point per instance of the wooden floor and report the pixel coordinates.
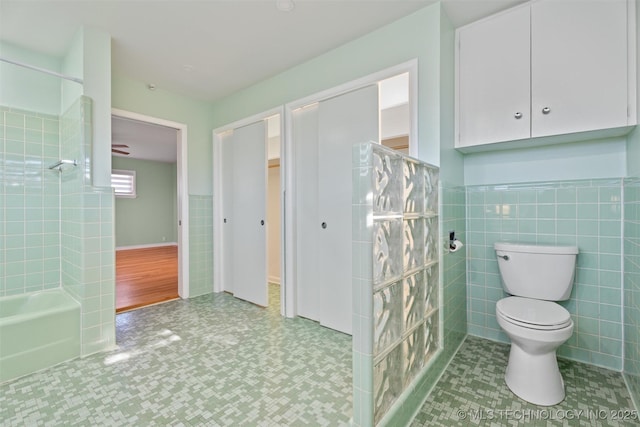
(146, 276)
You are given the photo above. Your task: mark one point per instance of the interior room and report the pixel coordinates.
(426, 216)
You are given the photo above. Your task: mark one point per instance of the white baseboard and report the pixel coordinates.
(274, 279)
(150, 245)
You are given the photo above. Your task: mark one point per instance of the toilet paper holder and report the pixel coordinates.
(454, 244)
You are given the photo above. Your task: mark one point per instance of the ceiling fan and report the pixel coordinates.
(115, 149)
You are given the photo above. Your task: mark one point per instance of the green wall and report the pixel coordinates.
(134, 96)
(28, 89)
(415, 36)
(151, 217)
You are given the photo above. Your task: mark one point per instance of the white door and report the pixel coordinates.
(334, 126)
(305, 139)
(494, 79)
(247, 218)
(579, 66)
(226, 142)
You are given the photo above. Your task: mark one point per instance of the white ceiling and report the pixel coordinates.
(208, 49)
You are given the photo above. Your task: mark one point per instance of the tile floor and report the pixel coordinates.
(211, 360)
(217, 361)
(472, 391)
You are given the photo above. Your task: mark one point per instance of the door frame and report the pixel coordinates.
(288, 149)
(218, 186)
(183, 191)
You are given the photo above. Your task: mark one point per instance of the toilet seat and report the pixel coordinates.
(533, 314)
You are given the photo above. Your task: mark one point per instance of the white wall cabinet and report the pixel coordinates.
(545, 69)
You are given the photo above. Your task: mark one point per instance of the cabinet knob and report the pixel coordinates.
(546, 110)
(518, 115)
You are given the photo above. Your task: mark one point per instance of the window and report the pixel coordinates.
(124, 183)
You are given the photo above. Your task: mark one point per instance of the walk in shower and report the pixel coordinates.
(56, 229)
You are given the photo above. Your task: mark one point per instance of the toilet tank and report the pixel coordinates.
(537, 271)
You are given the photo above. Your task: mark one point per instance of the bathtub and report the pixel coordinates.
(37, 330)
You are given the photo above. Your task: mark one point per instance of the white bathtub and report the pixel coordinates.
(37, 330)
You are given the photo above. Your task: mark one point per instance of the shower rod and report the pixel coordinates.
(42, 70)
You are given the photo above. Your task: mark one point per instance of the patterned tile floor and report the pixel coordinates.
(211, 360)
(472, 391)
(217, 361)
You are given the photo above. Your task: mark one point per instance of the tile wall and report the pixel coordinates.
(396, 332)
(87, 235)
(200, 245)
(585, 213)
(29, 202)
(56, 229)
(632, 287)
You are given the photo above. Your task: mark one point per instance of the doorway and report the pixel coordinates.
(151, 209)
(247, 216)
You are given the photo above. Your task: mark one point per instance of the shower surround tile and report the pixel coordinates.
(29, 203)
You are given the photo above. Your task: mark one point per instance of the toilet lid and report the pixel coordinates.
(533, 313)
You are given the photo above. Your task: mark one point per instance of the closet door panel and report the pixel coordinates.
(249, 213)
(308, 284)
(227, 212)
(343, 121)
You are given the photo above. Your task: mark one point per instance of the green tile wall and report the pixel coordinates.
(454, 274)
(87, 234)
(200, 245)
(585, 213)
(632, 287)
(29, 203)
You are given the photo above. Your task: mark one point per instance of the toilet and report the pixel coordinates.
(535, 276)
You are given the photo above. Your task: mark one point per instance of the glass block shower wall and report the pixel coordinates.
(396, 277)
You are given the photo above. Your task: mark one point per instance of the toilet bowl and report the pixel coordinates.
(536, 329)
(535, 276)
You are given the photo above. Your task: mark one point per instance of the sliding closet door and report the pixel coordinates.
(248, 218)
(343, 121)
(324, 135)
(227, 211)
(305, 139)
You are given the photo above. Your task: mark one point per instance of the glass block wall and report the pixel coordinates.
(396, 277)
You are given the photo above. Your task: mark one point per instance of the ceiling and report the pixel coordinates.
(144, 140)
(208, 49)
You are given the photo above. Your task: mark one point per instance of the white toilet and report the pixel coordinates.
(536, 276)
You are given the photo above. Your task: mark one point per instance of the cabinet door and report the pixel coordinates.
(494, 79)
(579, 66)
